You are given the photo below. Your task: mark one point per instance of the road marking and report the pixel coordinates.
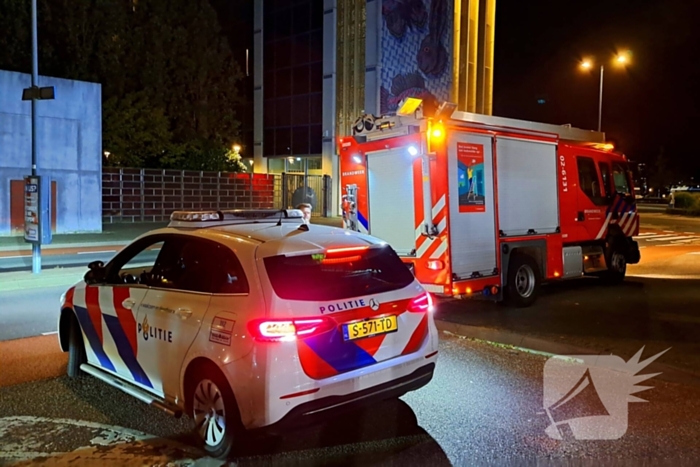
(14, 257)
(647, 234)
(690, 232)
(693, 253)
(676, 242)
(95, 252)
(49, 333)
(679, 237)
(670, 231)
(665, 276)
(657, 235)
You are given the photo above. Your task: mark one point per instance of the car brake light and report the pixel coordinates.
(283, 330)
(421, 304)
(351, 249)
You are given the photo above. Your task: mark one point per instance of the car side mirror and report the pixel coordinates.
(96, 274)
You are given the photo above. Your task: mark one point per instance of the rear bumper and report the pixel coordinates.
(324, 408)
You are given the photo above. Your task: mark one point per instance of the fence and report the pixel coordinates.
(151, 195)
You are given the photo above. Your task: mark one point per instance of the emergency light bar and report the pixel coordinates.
(192, 219)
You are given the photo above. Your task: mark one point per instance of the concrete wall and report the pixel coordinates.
(69, 148)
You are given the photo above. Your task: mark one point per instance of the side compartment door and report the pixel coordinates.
(391, 198)
(472, 218)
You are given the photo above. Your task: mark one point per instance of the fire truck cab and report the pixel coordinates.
(488, 206)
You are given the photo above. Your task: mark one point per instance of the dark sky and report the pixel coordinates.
(653, 103)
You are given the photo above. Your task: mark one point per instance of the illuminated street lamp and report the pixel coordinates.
(620, 60)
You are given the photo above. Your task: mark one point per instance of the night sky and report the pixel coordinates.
(653, 103)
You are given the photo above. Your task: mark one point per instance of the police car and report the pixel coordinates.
(247, 320)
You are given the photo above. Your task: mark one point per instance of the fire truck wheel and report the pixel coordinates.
(523, 281)
(616, 261)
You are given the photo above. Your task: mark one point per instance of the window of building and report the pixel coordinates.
(293, 77)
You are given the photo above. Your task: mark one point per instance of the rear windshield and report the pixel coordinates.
(317, 277)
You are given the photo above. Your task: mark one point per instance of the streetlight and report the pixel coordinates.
(620, 60)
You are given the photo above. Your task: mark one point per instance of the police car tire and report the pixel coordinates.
(76, 349)
(234, 430)
(512, 296)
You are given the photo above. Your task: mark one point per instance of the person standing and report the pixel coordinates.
(305, 209)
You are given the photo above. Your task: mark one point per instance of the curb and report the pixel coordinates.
(550, 349)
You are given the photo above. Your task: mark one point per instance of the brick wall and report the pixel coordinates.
(150, 195)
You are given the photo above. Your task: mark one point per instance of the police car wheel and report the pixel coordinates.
(523, 281)
(76, 349)
(215, 413)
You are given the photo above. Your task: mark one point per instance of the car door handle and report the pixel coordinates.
(183, 313)
(580, 216)
(128, 303)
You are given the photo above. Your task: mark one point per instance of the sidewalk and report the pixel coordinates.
(113, 234)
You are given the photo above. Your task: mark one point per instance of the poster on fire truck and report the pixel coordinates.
(470, 171)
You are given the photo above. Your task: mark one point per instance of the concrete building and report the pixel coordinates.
(69, 151)
(321, 64)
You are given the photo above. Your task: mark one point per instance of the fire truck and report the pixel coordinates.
(488, 206)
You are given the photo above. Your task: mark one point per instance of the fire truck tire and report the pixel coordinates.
(523, 281)
(76, 349)
(616, 261)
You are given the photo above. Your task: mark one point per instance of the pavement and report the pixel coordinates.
(485, 406)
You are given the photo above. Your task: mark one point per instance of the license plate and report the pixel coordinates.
(370, 327)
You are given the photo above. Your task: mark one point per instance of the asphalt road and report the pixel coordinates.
(484, 406)
(26, 314)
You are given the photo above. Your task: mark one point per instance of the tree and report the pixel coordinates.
(169, 81)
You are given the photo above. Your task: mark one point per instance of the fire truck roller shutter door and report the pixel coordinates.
(472, 222)
(391, 192)
(527, 186)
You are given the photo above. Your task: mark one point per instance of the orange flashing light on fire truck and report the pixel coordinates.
(488, 205)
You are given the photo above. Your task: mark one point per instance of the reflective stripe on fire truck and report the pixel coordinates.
(627, 217)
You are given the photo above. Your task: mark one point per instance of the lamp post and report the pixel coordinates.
(621, 60)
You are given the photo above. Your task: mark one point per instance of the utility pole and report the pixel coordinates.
(37, 221)
(36, 246)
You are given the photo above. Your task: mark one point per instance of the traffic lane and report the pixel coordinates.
(29, 313)
(24, 262)
(655, 313)
(648, 220)
(484, 405)
(667, 261)
(77, 257)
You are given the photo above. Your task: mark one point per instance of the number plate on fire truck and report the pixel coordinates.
(371, 327)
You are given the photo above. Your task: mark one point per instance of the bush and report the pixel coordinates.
(686, 200)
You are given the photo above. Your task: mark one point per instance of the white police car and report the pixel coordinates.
(251, 319)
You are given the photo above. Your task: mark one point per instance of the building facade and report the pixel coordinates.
(321, 64)
(69, 152)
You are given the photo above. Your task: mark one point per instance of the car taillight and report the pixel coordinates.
(282, 330)
(421, 303)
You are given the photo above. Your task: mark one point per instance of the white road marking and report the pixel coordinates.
(670, 231)
(680, 237)
(14, 257)
(49, 333)
(95, 252)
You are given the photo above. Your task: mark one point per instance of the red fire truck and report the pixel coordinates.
(489, 206)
